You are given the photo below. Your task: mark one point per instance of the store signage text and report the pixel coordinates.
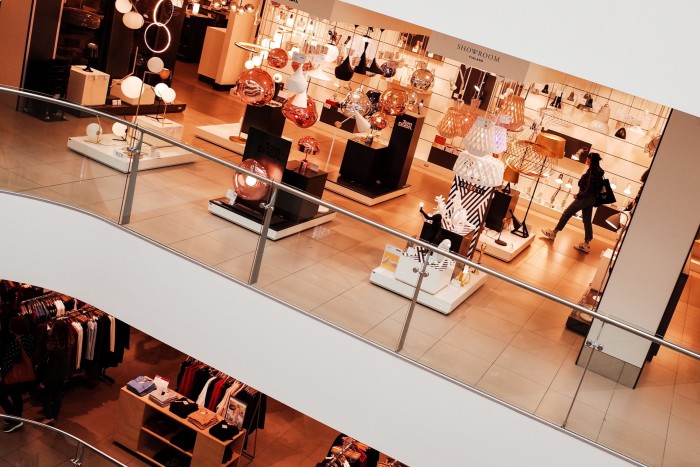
(269, 150)
(477, 56)
(406, 124)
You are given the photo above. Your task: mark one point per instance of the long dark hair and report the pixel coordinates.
(59, 336)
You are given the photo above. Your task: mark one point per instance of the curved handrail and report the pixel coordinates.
(404, 236)
(80, 443)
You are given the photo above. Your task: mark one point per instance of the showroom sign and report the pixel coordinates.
(478, 56)
(314, 8)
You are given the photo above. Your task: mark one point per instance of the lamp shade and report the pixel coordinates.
(93, 129)
(331, 53)
(361, 68)
(511, 175)
(480, 139)
(168, 95)
(155, 64)
(132, 87)
(309, 145)
(319, 74)
(297, 82)
(300, 99)
(600, 124)
(394, 101)
(133, 20)
(555, 144)
(123, 6)
(514, 107)
(119, 129)
(482, 171)
(529, 158)
(500, 140)
(344, 71)
(362, 123)
(247, 187)
(374, 68)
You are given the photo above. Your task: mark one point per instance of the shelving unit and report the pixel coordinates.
(148, 429)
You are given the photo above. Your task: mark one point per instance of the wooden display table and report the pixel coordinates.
(136, 430)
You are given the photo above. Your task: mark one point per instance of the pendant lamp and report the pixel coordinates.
(556, 102)
(319, 74)
(500, 139)
(483, 171)
(344, 71)
(480, 139)
(545, 89)
(600, 124)
(361, 68)
(571, 97)
(514, 107)
(297, 82)
(374, 68)
(362, 123)
(621, 133)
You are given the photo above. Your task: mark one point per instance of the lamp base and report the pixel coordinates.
(237, 139)
(521, 231)
(498, 241)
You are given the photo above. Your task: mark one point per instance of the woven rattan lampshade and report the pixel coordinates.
(529, 158)
(514, 107)
(555, 144)
(484, 171)
(511, 175)
(480, 139)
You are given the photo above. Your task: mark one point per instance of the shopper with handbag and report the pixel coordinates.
(53, 370)
(590, 184)
(17, 370)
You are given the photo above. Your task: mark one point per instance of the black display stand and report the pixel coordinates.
(374, 174)
(500, 205)
(267, 116)
(330, 115)
(441, 157)
(603, 213)
(459, 244)
(292, 207)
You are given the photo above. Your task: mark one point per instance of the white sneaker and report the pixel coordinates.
(584, 247)
(549, 234)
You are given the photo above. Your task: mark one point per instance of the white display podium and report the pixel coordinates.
(87, 87)
(218, 134)
(148, 96)
(515, 244)
(112, 151)
(445, 300)
(161, 125)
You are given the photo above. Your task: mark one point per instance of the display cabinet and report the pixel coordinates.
(148, 430)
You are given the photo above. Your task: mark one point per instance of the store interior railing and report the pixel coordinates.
(61, 447)
(124, 198)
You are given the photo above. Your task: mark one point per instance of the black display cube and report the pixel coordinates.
(501, 204)
(602, 213)
(441, 157)
(459, 244)
(292, 207)
(330, 115)
(361, 163)
(396, 165)
(268, 117)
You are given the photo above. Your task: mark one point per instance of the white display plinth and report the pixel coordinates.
(162, 125)
(272, 233)
(148, 96)
(601, 272)
(111, 151)
(445, 300)
(218, 134)
(348, 192)
(515, 244)
(87, 87)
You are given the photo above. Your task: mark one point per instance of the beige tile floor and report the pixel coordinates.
(503, 340)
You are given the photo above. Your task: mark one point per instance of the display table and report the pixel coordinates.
(148, 429)
(162, 125)
(219, 135)
(515, 244)
(252, 220)
(292, 207)
(111, 151)
(87, 88)
(445, 300)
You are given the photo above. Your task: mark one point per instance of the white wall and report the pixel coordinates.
(391, 404)
(643, 48)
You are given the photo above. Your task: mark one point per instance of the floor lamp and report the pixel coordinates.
(534, 159)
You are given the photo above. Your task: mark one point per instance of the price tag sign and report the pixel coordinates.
(231, 195)
(118, 153)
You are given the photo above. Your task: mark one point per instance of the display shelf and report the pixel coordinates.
(279, 227)
(132, 431)
(515, 244)
(111, 151)
(445, 300)
(218, 134)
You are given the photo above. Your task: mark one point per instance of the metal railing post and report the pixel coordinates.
(594, 346)
(262, 240)
(421, 274)
(128, 200)
(79, 453)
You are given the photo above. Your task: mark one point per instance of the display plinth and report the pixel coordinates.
(219, 135)
(515, 244)
(111, 151)
(87, 87)
(369, 195)
(444, 301)
(161, 125)
(279, 227)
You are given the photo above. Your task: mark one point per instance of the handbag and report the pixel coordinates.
(606, 195)
(22, 372)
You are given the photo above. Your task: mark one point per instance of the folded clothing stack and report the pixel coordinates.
(203, 418)
(184, 440)
(141, 385)
(183, 407)
(163, 398)
(223, 431)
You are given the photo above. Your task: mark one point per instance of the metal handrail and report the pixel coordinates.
(402, 235)
(81, 445)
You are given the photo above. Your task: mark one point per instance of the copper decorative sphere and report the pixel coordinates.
(309, 145)
(422, 80)
(394, 102)
(387, 70)
(247, 187)
(302, 117)
(355, 102)
(379, 121)
(255, 87)
(277, 58)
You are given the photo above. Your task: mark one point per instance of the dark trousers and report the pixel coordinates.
(51, 400)
(11, 398)
(585, 205)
